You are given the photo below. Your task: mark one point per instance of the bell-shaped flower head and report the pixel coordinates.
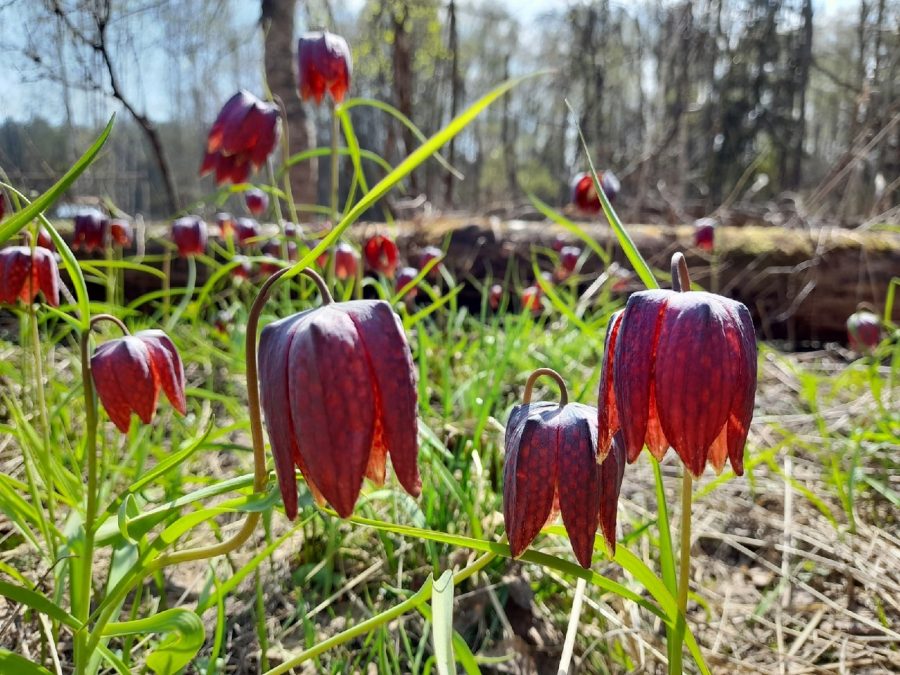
(190, 234)
(324, 63)
(25, 272)
(338, 391)
(382, 254)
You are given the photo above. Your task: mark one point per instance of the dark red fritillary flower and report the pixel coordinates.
(584, 194)
(246, 230)
(531, 299)
(257, 201)
(190, 234)
(382, 254)
(705, 233)
(405, 276)
(242, 137)
(24, 273)
(428, 254)
(44, 240)
(129, 371)
(346, 261)
(863, 331)
(551, 464)
(244, 268)
(495, 295)
(225, 223)
(568, 259)
(679, 370)
(338, 389)
(91, 231)
(121, 232)
(324, 64)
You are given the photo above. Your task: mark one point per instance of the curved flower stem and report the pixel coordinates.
(420, 598)
(681, 281)
(529, 385)
(260, 474)
(97, 318)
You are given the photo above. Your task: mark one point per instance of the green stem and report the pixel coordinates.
(286, 158)
(335, 129)
(684, 571)
(81, 593)
(422, 596)
(45, 426)
(188, 293)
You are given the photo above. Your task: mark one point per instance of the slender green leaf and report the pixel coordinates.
(185, 635)
(13, 664)
(17, 221)
(442, 623)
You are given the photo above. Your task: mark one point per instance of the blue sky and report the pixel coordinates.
(23, 99)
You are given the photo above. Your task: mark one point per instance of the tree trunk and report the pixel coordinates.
(403, 77)
(453, 46)
(278, 27)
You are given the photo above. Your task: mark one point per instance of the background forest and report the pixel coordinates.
(781, 105)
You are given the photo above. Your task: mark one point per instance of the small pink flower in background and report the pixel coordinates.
(584, 194)
(246, 229)
(190, 234)
(324, 64)
(257, 201)
(568, 259)
(25, 273)
(705, 233)
(495, 295)
(225, 223)
(129, 371)
(863, 330)
(531, 299)
(382, 254)
(242, 137)
(91, 231)
(428, 254)
(244, 268)
(405, 276)
(121, 232)
(346, 261)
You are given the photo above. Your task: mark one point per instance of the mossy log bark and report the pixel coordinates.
(799, 284)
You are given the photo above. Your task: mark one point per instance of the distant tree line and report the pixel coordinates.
(693, 104)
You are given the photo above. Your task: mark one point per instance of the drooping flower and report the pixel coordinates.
(346, 261)
(679, 370)
(382, 254)
(495, 295)
(243, 268)
(273, 249)
(257, 201)
(551, 462)
(584, 194)
(24, 273)
(324, 63)
(531, 299)
(428, 254)
(129, 371)
(568, 259)
(245, 230)
(44, 240)
(121, 232)
(404, 277)
(243, 136)
(225, 223)
(338, 389)
(863, 330)
(91, 231)
(705, 233)
(190, 234)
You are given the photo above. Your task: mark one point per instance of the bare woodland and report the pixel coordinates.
(759, 106)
